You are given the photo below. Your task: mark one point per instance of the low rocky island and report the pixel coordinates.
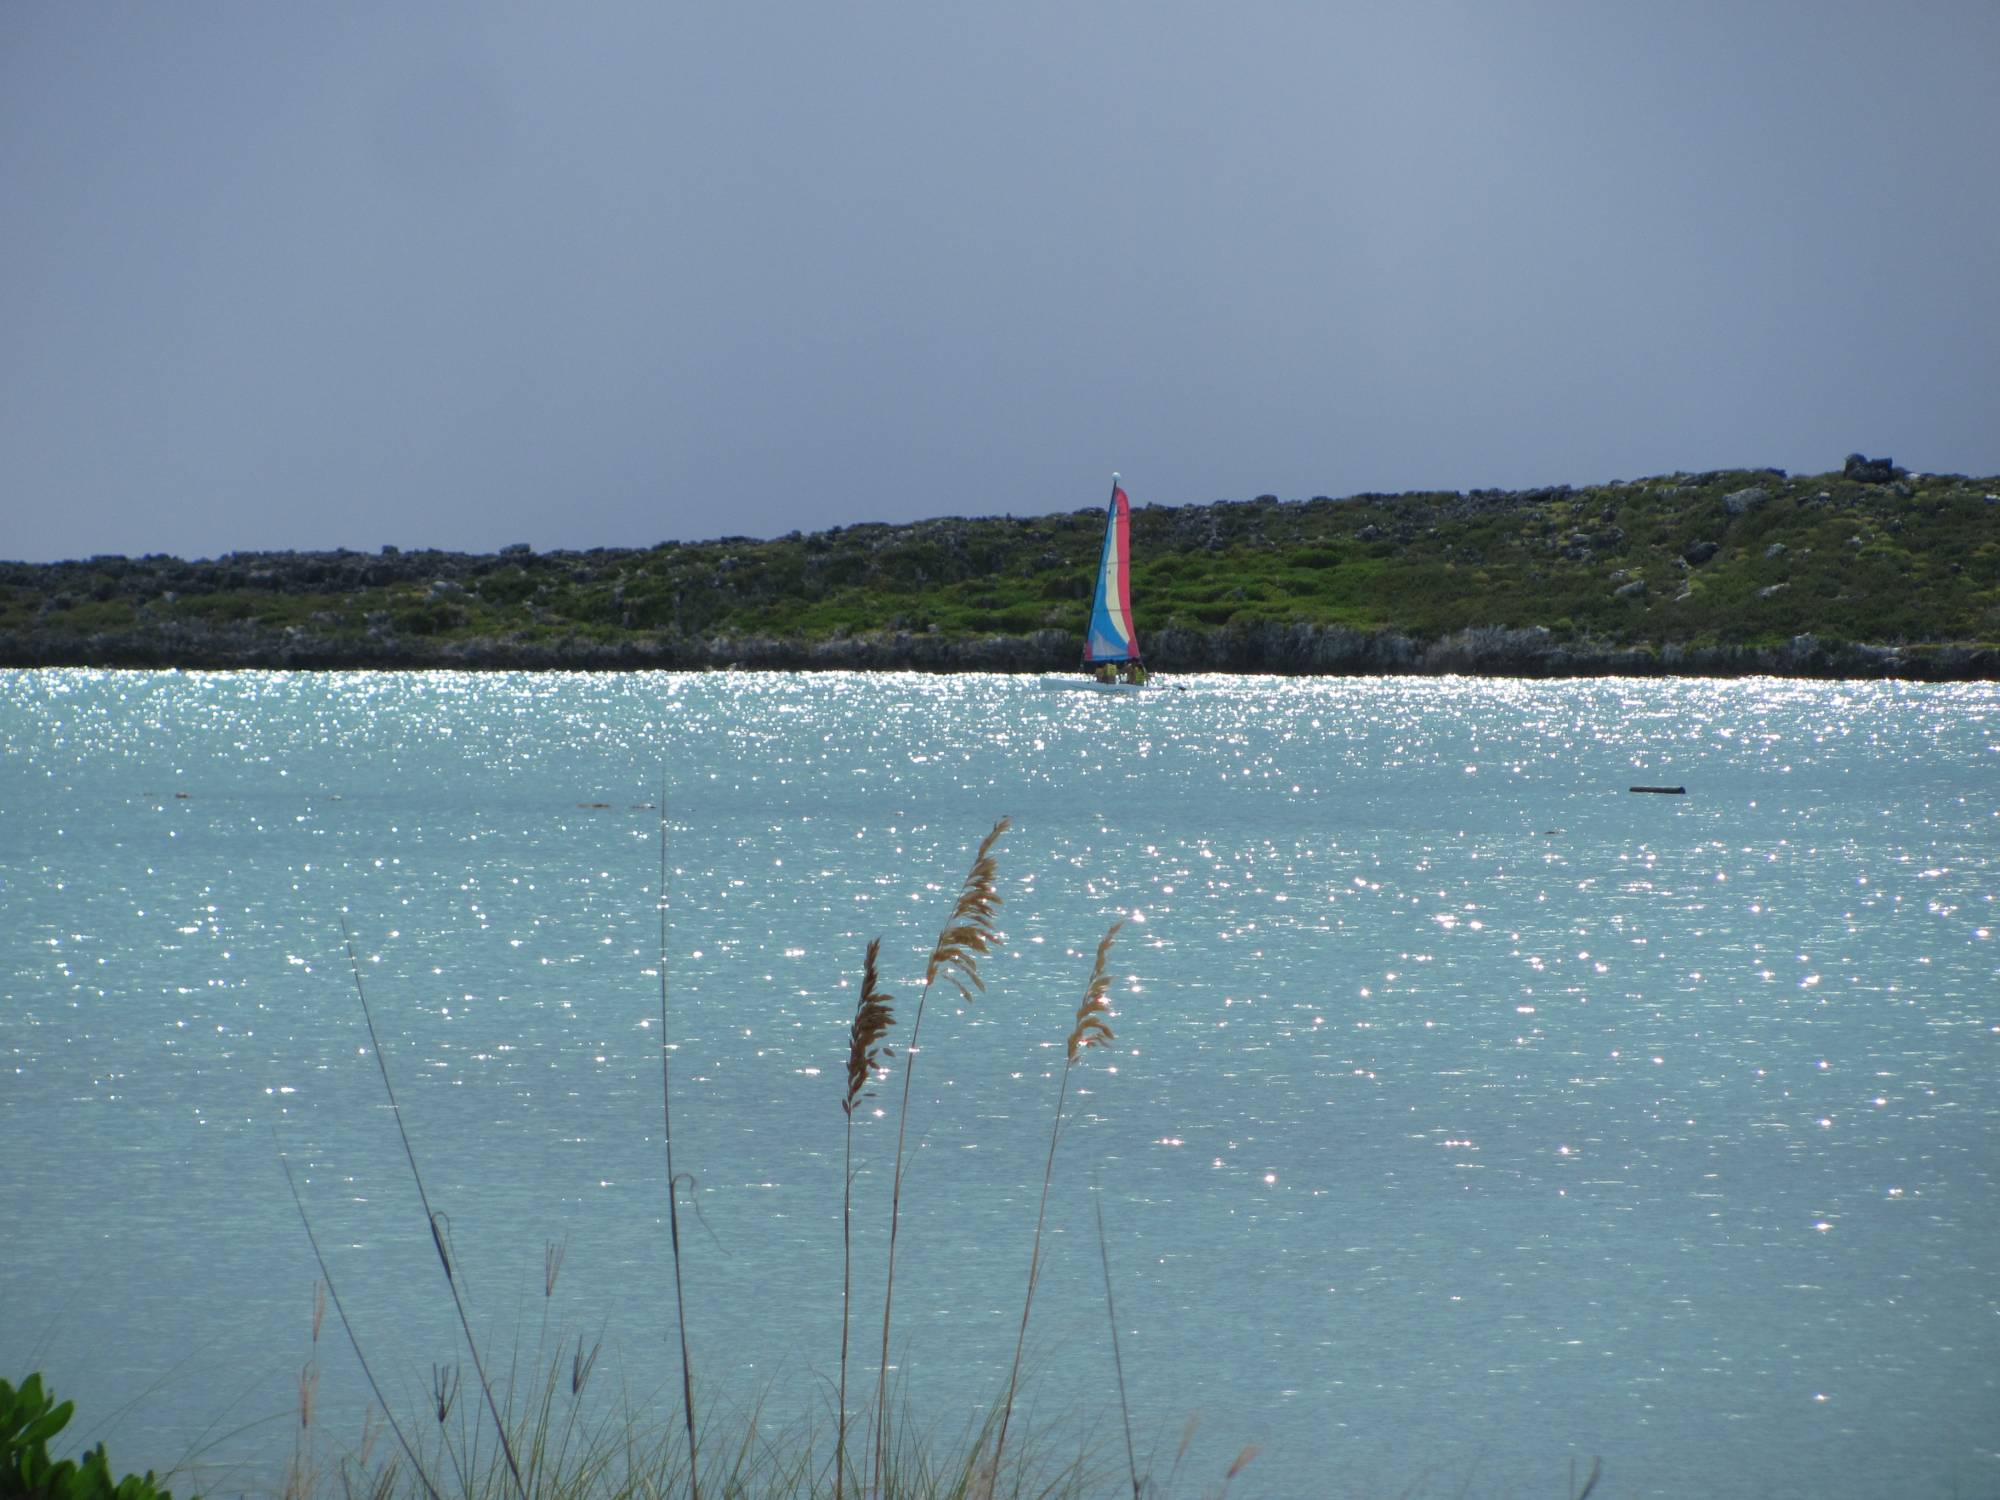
(1872, 572)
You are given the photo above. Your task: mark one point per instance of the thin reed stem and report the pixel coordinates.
(1034, 1271)
(967, 934)
(846, 1295)
(431, 1216)
(340, 1310)
(895, 1210)
(1091, 1031)
(673, 1181)
(1117, 1361)
(865, 1054)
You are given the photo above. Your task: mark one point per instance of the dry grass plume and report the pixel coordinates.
(866, 1055)
(967, 936)
(1091, 1030)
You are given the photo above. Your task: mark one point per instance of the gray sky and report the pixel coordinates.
(316, 275)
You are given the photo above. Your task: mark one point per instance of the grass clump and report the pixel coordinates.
(528, 1429)
(522, 1431)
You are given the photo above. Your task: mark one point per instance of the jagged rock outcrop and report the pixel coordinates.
(1865, 470)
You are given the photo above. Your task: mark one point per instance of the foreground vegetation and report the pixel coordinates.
(29, 1419)
(1719, 571)
(569, 1448)
(525, 1426)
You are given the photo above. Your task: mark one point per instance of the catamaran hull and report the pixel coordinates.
(1073, 685)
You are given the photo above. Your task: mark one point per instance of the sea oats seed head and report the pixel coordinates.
(872, 1020)
(1187, 1435)
(971, 930)
(1092, 1030)
(580, 1366)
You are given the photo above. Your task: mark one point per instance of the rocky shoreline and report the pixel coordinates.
(1284, 650)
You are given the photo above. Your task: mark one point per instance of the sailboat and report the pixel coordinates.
(1110, 644)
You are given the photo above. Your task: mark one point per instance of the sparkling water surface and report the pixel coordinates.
(1469, 1116)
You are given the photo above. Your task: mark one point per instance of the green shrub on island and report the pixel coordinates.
(1723, 565)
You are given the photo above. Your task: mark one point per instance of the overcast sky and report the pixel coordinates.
(604, 274)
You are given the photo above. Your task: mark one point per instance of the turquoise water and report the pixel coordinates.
(1469, 1116)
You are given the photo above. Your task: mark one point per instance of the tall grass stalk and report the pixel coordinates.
(966, 935)
(551, 1448)
(549, 1436)
(1188, 1430)
(1091, 1030)
(566, 1453)
(301, 1477)
(866, 1053)
(1241, 1462)
(431, 1216)
(333, 1293)
(673, 1180)
(1117, 1360)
